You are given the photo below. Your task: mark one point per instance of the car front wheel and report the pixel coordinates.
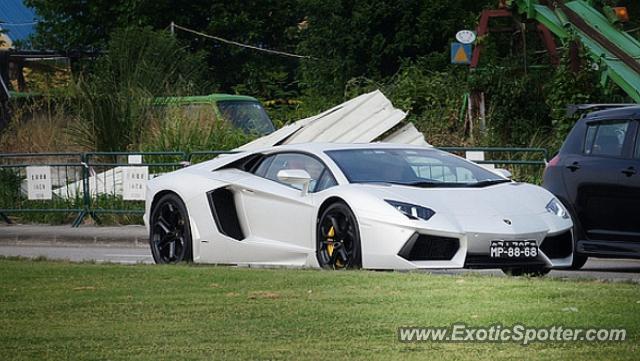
(170, 234)
(338, 238)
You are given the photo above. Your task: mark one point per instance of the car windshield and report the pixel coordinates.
(413, 167)
(247, 115)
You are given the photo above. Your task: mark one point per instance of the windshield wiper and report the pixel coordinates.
(437, 184)
(421, 184)
(488, 182)
(424, 184)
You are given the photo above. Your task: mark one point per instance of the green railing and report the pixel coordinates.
(505, 156)
(66, 168)
(90, 184)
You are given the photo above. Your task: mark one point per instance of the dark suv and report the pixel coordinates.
(596, 175)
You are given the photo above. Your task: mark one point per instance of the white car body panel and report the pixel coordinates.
(279, 221)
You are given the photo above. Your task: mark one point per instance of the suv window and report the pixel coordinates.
(637, 150)
(321, 177)
(606, 138)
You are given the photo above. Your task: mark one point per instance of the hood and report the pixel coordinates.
(505, 199)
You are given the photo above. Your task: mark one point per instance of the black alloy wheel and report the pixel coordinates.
(170, 237)
(338, 238)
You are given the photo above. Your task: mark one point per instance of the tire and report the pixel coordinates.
(338, 238)
(579, 260)
(170, 233)
(531, 271)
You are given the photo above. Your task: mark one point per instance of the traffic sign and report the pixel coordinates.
(460, 53)
(466, 36)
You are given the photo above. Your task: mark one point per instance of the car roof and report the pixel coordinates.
(619, 113)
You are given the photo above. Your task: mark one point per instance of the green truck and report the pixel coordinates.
(243, 112)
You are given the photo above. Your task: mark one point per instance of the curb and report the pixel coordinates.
(135, 236)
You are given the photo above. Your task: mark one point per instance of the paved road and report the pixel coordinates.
(115, 253)
(603, 269)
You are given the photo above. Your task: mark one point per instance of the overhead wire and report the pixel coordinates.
(235, 43)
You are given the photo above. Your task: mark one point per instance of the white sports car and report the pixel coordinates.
(375, 205)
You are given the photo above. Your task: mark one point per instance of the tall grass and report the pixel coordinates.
(174, 130)
(39, 125)
(115, 99)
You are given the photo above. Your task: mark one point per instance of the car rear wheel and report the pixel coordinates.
(170, 234)
(535, 271)
(338, 238)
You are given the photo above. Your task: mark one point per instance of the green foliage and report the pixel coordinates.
(516, 104)
(345, 39)
(9, 187)
(86, 25)
(176, 132)
(432, 99)
(399, 46)
(372, 38)
(272, 24)
(12, 197)
(114, 101)
(576, 87)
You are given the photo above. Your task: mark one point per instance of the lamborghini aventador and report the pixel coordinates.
(337, 206)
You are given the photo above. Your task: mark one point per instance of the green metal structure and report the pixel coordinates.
(614, 50)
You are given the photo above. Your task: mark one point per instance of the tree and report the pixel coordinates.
(372, 38)
(81, 24)
(114, 101)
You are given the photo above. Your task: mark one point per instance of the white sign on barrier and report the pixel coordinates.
(475, 156)
(39, 182)
(134, 159)
(134, 183)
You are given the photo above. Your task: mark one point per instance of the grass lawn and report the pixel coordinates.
(59, 310)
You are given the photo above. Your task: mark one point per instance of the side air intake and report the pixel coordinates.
(225, 214)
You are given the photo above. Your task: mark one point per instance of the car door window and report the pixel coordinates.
(262, 168)
(606, 138)
(321, 177)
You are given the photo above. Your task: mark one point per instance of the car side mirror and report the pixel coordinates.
(295, 176)
(503, 172)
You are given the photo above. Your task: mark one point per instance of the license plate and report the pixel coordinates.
(513, 249)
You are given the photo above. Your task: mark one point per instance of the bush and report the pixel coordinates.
(115, 100)
(173, 131)
(38, 125)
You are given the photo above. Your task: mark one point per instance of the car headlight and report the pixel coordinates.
(556, 208)
(412, 211)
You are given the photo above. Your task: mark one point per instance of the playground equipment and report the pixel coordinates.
(615, 51)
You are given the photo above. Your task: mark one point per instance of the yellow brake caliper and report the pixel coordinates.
(330, 235)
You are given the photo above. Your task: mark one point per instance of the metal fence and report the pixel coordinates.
(77, 185)
(504, 155)
(64, 169)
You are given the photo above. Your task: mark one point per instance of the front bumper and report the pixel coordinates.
(414, 246)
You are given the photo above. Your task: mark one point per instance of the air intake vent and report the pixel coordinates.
(421, 247)
(558, 246)
(223, 208)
